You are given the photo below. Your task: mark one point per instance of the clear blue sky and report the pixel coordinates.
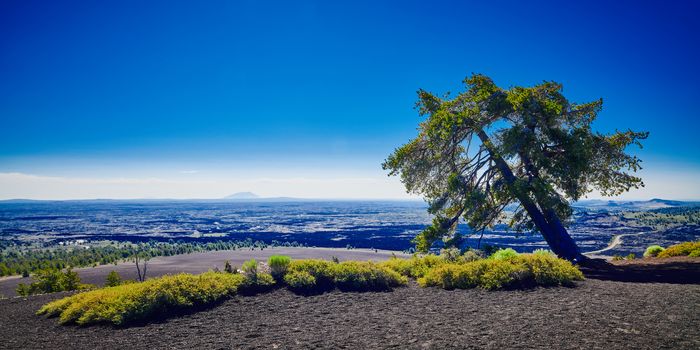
(221, 91)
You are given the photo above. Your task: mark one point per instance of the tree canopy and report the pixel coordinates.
(489, 148)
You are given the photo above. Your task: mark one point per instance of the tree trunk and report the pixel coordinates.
(546, 220)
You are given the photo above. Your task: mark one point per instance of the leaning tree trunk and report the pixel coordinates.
(546, 220)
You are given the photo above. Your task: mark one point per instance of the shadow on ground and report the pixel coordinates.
(680, 272)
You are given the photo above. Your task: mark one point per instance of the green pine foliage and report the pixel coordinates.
(113, 279)
(51, 281)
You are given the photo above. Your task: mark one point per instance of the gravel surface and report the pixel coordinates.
(596, 314)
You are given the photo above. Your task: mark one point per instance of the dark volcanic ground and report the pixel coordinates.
(596, 314)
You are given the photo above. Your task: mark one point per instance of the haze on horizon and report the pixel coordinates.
(171, 99)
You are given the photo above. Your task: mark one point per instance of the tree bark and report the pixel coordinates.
(546, 220)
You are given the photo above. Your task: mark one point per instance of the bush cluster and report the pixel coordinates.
(523, 270)
(653, 251)
(123, 303)
(415, 267)
(504, 254)
(52, 280)
(318, 275)
(691, 249)
(278, 266)
(136, 301)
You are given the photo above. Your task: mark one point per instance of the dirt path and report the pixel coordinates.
(616, 241)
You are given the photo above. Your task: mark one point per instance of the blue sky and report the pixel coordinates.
(176, 99)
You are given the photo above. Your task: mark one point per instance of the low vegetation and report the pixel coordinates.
(653, 251)
(519, 271)
(124, 303)
(136, 301)
(52, 280)
(691, 249)
(18, 259)
(278, 266)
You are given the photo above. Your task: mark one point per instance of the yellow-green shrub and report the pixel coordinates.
(300, 281)
(366, 275)
(129, 302)
(523, 270)
(415, 267)
(321, 270)
(315, 275)
(653, 250)
(682, 249)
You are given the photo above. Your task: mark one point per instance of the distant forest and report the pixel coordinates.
(19, 260)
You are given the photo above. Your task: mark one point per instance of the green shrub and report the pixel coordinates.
(631, 256)
(250, 270)
(321, 270)
(300, 281)
(136, 301)
(366, 275)
(278, 265)
(653, 251)
(261, 283)
(617, 257)
(415, 267)
(450, 254)
(318, 275)
(524, 270)
(51, 281)
(504, 254)
(471, 255)
(691, 249)
(545, 252)
(113, 279)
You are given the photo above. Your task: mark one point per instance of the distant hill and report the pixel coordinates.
(655, 203)
(243, 195)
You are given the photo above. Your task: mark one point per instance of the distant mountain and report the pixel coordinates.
(243, 195)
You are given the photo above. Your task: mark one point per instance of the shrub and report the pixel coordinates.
(653, 251)
(136, 301)
(450, 254)
(631, 256)
(50, 281)
(250, 270)
(504, 254)
(228, 268)
(278, 265)
(300, 281)
(545, 252)
(318, 275)
(691, 249)
(617, 257)
(472, 255)
(261, 283)
(113, 279)
(524, 270)
(366, 275)
(320, 270)
(415, 267)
